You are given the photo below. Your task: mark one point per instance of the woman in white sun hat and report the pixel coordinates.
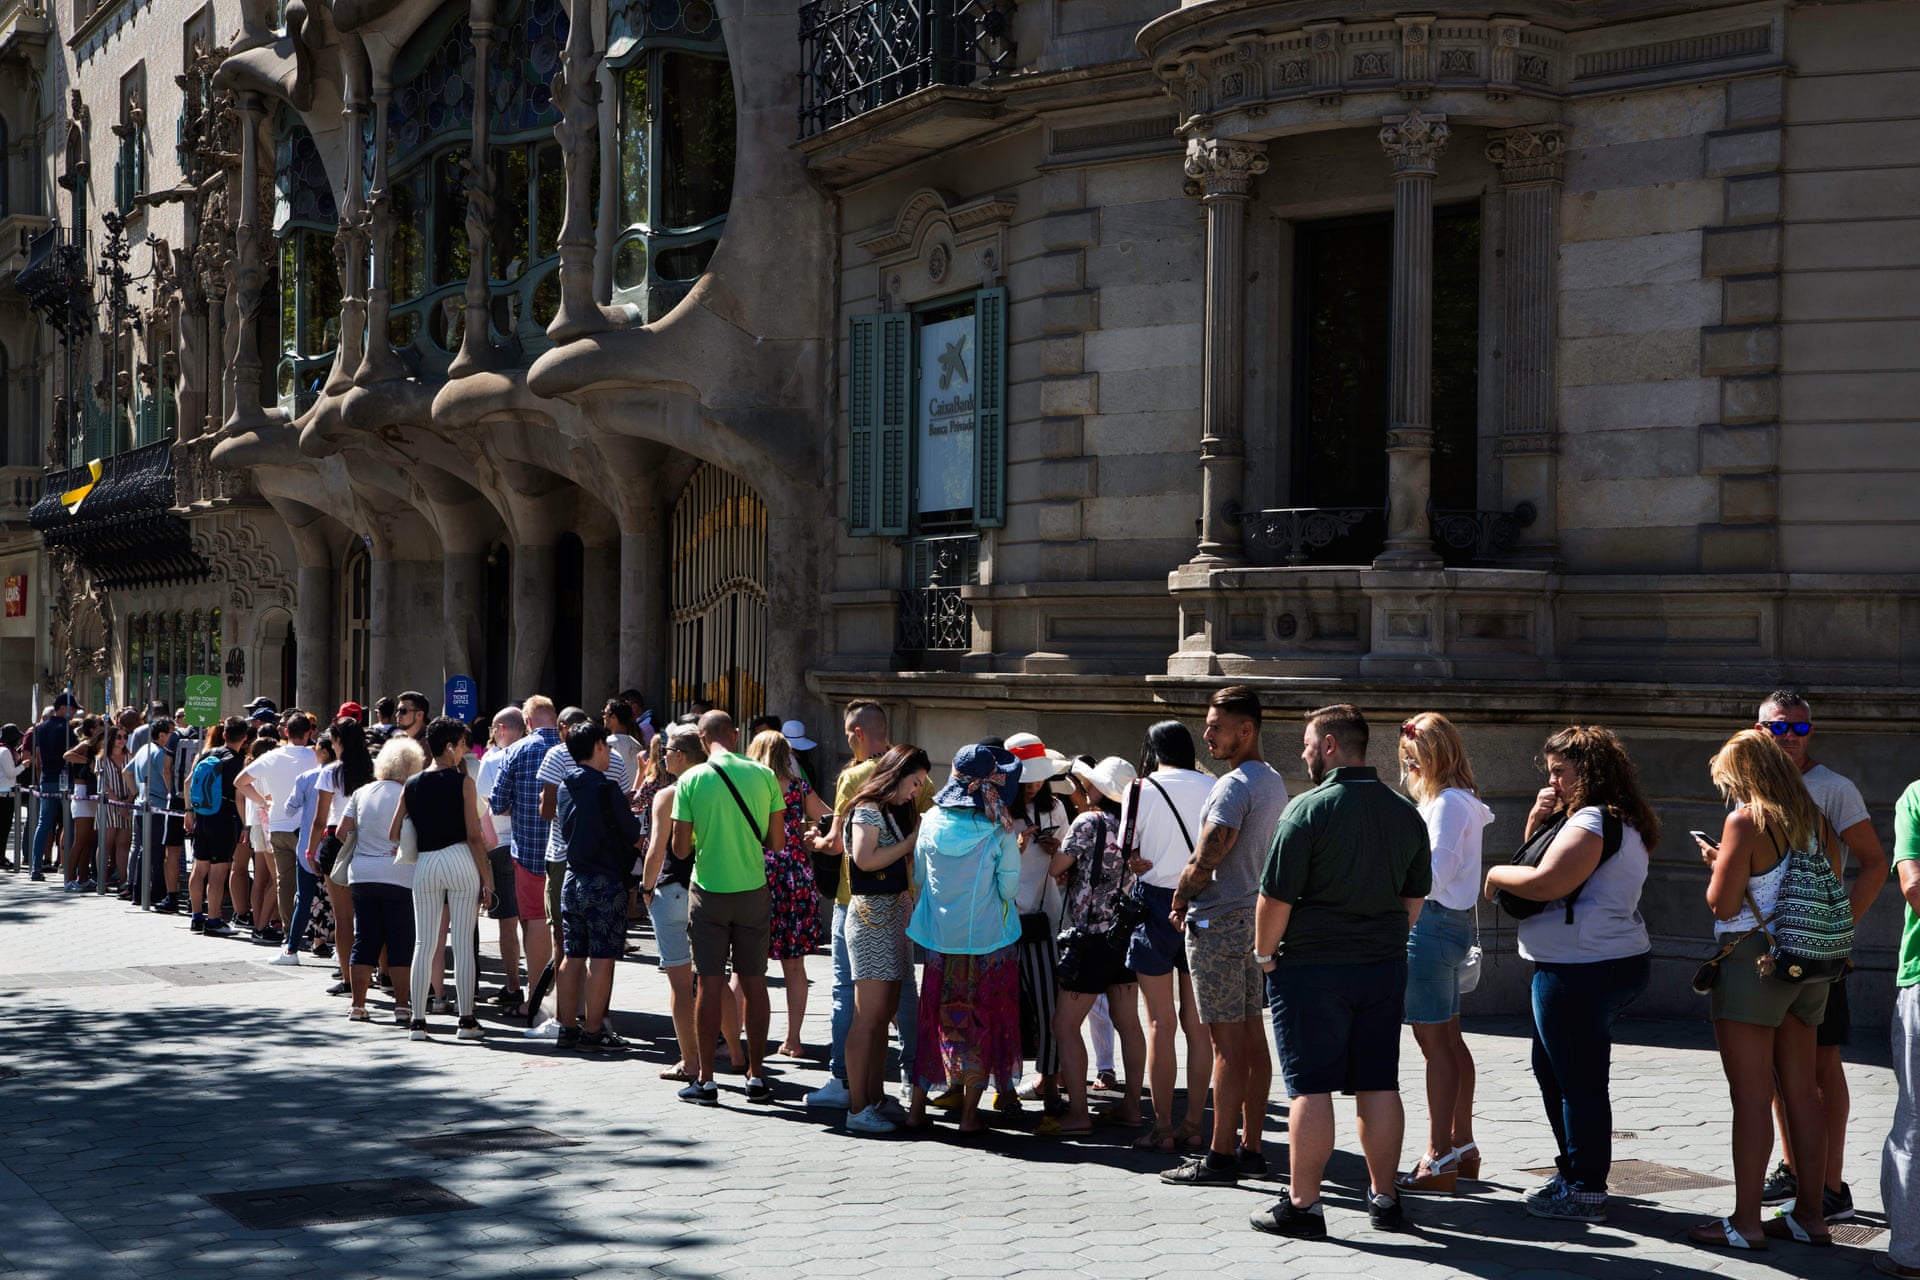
(1039, 823)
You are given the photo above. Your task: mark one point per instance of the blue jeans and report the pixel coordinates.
(1574, 1007)
(46, 822)
(842, 994)
(306, 884)
(907, 1018)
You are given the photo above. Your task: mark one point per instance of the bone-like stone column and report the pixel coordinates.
(1223, 174)
(249, 276)
(1414, 143)
(476, 343)
(533, 569)
(381, 363)
(576, 91)
(1531, 165)
(350, 234)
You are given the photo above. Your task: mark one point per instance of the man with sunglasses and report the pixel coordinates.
(410, 715)
(1787, 716)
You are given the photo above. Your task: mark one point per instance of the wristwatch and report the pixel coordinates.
(1260, 959)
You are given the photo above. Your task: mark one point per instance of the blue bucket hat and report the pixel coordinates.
(976, 768)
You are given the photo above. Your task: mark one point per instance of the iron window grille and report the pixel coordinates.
(933, 617)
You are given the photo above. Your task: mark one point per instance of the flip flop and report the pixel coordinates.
(1160, 1140)
(1050, 1127)
(1720, 1234)
(1785, 1226)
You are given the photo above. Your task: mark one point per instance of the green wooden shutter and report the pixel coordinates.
(861, 385)
(893, 427)
(990, 408)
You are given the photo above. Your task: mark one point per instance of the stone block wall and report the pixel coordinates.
(1848, 439)
(1633, 300)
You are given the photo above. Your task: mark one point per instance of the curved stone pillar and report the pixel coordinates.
(533, 569)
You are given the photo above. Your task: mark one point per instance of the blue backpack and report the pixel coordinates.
(206, 786)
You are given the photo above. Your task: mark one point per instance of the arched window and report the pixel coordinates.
(676, 143)
(304, 219)
(429, 138)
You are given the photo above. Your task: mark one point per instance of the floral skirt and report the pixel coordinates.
(796, 906)
(970, 1013)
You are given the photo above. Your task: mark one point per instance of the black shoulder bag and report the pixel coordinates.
(1536, 848)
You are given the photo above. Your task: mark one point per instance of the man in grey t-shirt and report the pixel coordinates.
(1214, 903)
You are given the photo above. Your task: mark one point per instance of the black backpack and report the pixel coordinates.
(1535, 849)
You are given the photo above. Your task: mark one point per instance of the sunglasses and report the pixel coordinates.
(1780, 728)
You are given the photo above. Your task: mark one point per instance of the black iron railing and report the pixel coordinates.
(1292, 534)
(856, 56)
(1481, 535)
(932, 617)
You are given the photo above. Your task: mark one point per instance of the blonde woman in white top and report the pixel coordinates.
(1435, 772)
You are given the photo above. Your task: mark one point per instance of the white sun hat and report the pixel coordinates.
(1038, 762)
(795, 732)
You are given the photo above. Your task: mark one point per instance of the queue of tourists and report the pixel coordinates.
(983, 913)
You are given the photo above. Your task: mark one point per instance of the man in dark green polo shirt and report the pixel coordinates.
(1348, 872)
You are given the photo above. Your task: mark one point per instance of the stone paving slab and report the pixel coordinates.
(136, 1100)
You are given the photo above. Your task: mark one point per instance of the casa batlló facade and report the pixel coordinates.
(1034, 365)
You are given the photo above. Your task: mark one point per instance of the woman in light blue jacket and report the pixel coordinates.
(967, 864)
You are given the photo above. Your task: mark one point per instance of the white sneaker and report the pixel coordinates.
(869, 1121)
(548, 1030)
(832, 1095)
(285, 957)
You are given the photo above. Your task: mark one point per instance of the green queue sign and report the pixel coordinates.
(203, 701)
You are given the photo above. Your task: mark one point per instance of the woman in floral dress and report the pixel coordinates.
(796, 903)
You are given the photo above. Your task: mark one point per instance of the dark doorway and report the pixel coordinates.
(569, 594)
(1343, 292)
(496, 613)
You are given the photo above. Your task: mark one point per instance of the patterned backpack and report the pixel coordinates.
(1810, 937)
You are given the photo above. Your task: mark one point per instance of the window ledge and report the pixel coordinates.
(107, 18)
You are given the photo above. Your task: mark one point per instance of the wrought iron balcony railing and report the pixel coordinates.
(857, 55)
(1480, 534)
(1290, 535)
(932, 617)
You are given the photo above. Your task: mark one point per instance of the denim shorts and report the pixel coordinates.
(668, 911)
(1156, 948)
(1436, 947)
(1338, 1025)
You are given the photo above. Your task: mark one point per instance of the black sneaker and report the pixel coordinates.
(168, 905)
(569, 1038)
(1781, 1186)
(323, 951)
(198, 924)
(1385, 1214)
(605, 1040)
(218, 929)
(269, 936)
(1284, 1218)
(1837, 1206)
(758, 1090)
(1252, 1163)
(704, 1095)
(1200, 1171)
(244, 919)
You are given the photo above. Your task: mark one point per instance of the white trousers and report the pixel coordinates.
(445, 878)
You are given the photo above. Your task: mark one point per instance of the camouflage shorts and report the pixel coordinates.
(1227, 984)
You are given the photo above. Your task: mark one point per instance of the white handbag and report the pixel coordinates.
(408, 850)
(1468, 973)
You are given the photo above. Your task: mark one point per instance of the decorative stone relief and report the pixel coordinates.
(934, 247)
(1223, 168)
(237, 556)
(1528, 155)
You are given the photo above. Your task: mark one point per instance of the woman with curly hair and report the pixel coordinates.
(1589, 947)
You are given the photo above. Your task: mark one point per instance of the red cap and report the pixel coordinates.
(350, 711)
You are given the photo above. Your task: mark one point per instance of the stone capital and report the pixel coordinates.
(1535, 153)
(1414, 141)
(1222, 169)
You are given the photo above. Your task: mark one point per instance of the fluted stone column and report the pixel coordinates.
(1530, 164)
(1414, 143)
(1223, 173)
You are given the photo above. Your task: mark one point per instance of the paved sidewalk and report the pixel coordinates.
(155, 1068)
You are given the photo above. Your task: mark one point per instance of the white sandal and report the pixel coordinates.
(1730, 1238)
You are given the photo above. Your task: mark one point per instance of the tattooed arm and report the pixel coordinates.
(1216, 842)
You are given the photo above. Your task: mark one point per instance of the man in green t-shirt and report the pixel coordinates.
(727, 813)
(1900, 1157)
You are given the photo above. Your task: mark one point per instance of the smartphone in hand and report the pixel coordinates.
(1705, 839)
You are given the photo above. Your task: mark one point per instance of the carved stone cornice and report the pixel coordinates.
(1533, 154)
(1223, 170)
(1415, 141)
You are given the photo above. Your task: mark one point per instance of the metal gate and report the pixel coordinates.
(720, 595)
